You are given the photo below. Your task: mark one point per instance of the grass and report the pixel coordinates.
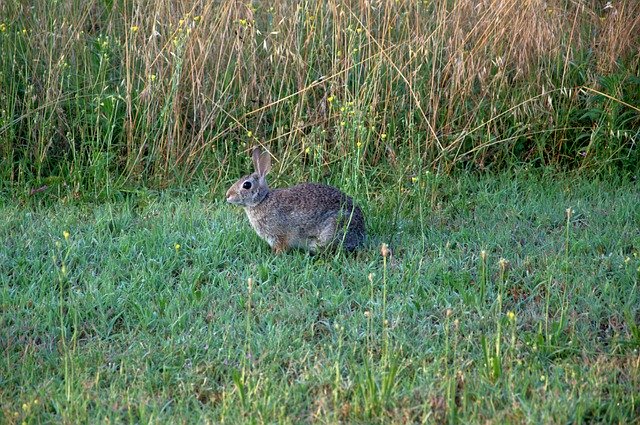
(104, 95)
(510, 293)
(496, 305)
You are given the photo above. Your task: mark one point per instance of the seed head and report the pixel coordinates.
(503, 264)
(569, 212)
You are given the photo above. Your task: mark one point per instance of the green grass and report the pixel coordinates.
(510, 296)
(118, 324)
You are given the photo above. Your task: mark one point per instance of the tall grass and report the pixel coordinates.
(103, 93)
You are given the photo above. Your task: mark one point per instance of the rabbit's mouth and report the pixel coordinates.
(236, 199)
(233, 199)
(244, 199)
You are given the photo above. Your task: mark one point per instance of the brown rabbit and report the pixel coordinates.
(308, 216)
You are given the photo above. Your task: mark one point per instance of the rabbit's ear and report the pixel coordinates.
(255, 156)
(261, 162)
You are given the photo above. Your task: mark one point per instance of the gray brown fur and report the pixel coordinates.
(310, 216)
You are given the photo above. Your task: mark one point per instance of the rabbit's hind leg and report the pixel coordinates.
(327, 234)
(280, 245)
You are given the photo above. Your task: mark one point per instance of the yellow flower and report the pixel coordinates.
(66, 235)
(359, 145)
(197, 18)
(383, 136)
(249, 133)
(177, 246)
(331, 99)
(3, 27)
(511, 315)
(134, 28)
(414, 179)
(307, 150)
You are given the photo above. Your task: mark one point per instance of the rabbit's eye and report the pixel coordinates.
(246, 185)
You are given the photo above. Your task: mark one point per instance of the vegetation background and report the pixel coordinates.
(493, 144)
(99, 95)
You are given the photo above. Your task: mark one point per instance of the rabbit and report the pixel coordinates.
(310, 216)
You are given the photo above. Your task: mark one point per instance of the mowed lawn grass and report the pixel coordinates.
(496, 306)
